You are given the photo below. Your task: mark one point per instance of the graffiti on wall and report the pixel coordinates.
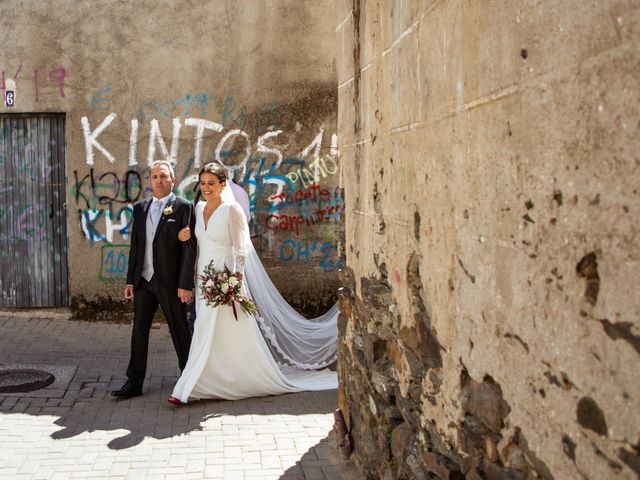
(114, 262)
(26, 158)
(43, 81)
(105, 201)
(29, 164)
(233, 114)
(288, 202)
(100, 225)
(301, 252)
(27, 222)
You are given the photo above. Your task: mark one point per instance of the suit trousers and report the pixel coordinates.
(147, 296)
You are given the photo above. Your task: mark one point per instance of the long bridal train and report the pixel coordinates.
(284, 327)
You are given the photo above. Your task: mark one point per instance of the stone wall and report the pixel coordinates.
(252, 83)
(490, 323)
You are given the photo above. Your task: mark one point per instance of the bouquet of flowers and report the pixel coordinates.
(221, 287)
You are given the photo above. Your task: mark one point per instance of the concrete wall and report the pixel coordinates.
(263, 71)
(490, 166)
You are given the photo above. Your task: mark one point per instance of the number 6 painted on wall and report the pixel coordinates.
(9, 98)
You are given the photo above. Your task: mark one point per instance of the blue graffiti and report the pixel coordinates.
(302, 252)
(101, 100)
(152, 109)
(115, 261)
(93, 219)
(271, 116)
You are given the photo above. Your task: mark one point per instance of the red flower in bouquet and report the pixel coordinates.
(221, 287)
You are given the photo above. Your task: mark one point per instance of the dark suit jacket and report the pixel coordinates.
(173, 260)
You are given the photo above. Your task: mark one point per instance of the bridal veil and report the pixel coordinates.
(294, 340)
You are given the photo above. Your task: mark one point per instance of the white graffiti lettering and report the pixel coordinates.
(90, 138)
(201, 124)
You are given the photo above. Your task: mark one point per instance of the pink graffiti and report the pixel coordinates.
(54, 79)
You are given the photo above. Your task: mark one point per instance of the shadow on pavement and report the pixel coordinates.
(85, 429)
(151, 416)
(322, 461)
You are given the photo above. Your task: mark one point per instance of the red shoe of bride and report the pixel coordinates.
(175, 401)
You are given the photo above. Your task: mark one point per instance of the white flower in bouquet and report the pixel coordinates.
(224, 287)
(209, 283)
(233, 281)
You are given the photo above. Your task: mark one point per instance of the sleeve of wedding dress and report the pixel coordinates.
(240, 237)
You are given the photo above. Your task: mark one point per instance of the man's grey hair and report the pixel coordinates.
(157, 163)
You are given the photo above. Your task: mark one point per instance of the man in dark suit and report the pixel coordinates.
(161, 272)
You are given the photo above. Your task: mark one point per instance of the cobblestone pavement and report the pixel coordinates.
(84, 433)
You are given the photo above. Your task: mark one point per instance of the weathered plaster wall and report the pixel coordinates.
(490, 166)
(264, 72)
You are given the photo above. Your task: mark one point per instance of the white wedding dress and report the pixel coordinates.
(232, 359)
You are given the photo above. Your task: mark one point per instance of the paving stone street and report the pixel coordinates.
(78, 431)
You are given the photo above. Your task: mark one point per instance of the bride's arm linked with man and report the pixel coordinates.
(171, 244)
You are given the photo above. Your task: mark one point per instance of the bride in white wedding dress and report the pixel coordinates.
(272, 352)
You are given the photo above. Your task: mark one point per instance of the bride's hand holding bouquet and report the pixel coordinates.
(221, 287)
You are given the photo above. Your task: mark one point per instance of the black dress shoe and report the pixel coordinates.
(129, 390)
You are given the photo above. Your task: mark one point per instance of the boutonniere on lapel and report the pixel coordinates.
(168, 210)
